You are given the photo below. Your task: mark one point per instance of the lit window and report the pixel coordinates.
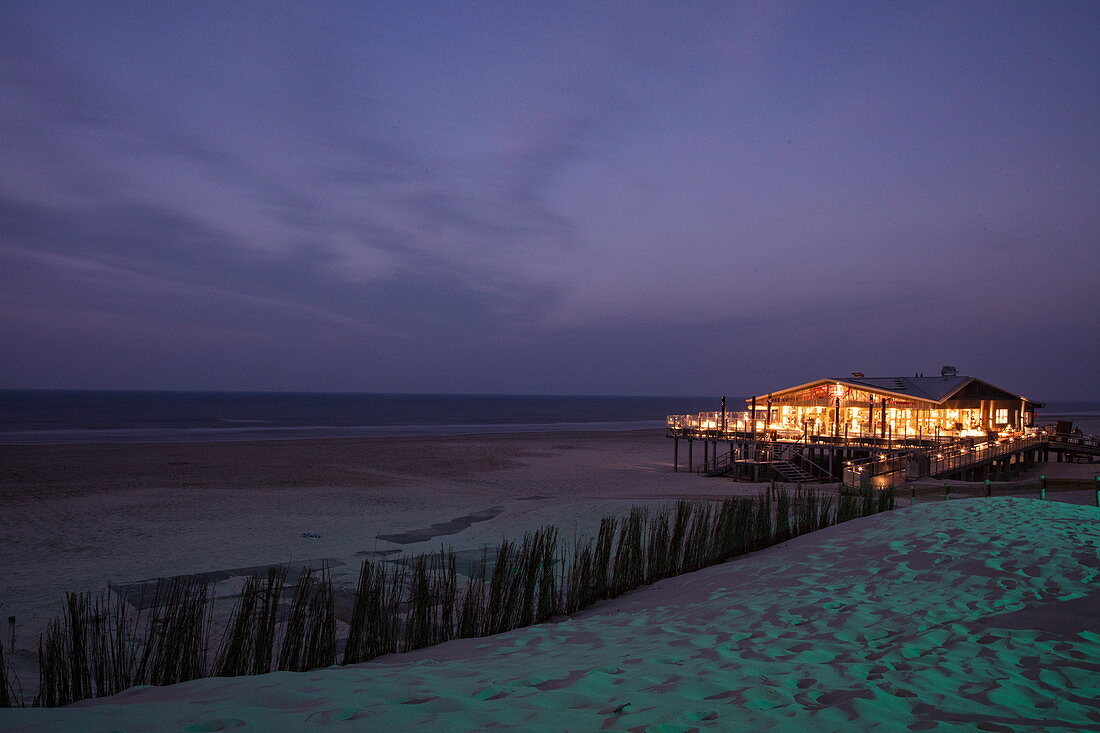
(1002, 417)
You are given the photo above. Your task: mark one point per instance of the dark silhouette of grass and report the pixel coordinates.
(248, 645)
(309, 638)
(7, 694)
(177, 636)
(113, 655)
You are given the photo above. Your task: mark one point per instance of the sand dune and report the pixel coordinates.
(963, 615)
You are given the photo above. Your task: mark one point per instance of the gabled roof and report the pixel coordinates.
(934, 389)
(924, 389)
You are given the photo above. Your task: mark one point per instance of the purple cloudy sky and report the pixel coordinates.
(593, 198)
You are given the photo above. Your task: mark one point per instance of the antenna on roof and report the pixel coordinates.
(948, 371)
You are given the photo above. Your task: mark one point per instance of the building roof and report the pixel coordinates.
(934, 390)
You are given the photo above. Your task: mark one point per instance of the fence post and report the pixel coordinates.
(913, 493)
(946, 491)
(1043, 487)
(1098, 491)
(988, 488)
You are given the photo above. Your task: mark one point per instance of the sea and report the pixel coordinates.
(42, 417)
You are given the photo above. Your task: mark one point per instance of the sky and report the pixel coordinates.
(548, 197)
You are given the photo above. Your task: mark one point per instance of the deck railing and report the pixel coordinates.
(708, 426)
(942, 460)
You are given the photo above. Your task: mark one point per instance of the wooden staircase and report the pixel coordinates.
(792, 473)
(785, 457)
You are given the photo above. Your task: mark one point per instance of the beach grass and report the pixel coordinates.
(93, 649)
(248, 645)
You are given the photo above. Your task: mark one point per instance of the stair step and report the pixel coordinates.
(792, 472)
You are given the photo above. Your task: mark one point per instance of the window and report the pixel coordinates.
(1002, 417)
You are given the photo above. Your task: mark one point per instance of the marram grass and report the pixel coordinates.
(101, 646)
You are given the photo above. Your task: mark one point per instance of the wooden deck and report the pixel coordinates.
(863, 460)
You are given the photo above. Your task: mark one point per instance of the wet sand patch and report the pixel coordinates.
(442, 529)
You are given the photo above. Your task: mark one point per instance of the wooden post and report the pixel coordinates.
(691, 462)
(752, 419)
(871, 416)
(675, 455)
(752, 431)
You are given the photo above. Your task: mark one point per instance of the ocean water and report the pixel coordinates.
(49, 417)
(46, 417)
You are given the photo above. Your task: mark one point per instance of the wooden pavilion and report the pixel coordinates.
(815, 429)
(893, 407)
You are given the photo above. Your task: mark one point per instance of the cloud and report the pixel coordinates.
(382, 184)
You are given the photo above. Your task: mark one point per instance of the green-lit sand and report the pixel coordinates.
(963, 615)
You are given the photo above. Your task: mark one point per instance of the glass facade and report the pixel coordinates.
(837, 410)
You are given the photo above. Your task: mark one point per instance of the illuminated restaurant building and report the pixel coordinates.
(892, 407)
(822, 428)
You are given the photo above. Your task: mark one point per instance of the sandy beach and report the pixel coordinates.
(78, 517)
(83, 516)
